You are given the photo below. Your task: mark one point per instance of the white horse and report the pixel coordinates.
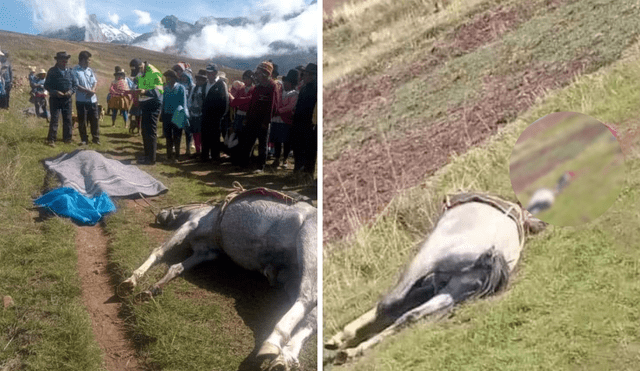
(259, 230)
(471, 253)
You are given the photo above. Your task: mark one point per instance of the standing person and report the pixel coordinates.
(149, 92)
(135, 114)
(7, 76)
(61, 83)
(185, 77)
(242, 100)
(120, 96)
(86, 99)
(32, 76)
(215, 106)
(281, 123)
(40, 94)
(173, 100)
(304, 132)
(264, 103)
(196, 101)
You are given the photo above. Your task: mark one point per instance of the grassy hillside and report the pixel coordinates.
(570, 305)
(210, 318)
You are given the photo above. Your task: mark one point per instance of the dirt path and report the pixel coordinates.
(102, 304)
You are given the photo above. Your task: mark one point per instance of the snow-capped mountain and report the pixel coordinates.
(172, 36)
(122, 35)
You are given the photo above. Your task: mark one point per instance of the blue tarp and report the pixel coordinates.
(69, 202)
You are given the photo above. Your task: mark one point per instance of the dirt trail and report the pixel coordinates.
(102, 304)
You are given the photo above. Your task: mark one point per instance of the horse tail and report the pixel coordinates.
(495, 271)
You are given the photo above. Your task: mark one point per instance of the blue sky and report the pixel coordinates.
(33, 16)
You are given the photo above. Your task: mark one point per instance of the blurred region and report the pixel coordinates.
(567, 168)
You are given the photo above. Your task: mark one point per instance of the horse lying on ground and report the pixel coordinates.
(259, 230)
(470, 253)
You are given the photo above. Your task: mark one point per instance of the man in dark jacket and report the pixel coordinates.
(214, 107)
(7, 75)
(150, 90)
(61, 84)
(304, 134)
(264, 101)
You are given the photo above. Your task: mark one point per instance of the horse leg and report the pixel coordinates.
(289, 356)
(178, 239)
(201, 253)
(436, 304)
(339, 340)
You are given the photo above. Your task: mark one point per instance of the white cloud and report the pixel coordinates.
(160, 40)
(114, 18)
(253, 39)
(279, 8)
(144, 18)
(51, 15)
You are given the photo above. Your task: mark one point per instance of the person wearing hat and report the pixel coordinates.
(135, 114)
(304, 132)
(196, 101)
(61, 83)
(174, 100)
(32, 76)
(281, 123)
(39, 94)
(86, 99)
(149, 92)
(7, 77)
(120, 99)
(263, 105)
(215, 106)
(185, 78)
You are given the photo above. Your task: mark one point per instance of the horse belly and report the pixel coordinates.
(257, 237)
(470, 230)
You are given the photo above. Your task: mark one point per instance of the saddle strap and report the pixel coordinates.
(239, 193)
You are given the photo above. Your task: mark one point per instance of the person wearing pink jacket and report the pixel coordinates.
(281, 123)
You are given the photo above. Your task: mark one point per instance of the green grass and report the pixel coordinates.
(48, 327)
(546, 41)
(571, 305)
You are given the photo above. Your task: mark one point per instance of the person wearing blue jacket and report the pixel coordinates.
(7, 77)
(61, 83)
(173, 100)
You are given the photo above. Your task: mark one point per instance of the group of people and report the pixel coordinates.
(260, 107)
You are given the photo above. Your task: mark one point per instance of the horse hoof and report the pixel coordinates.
(277, 364)
(144, 297)
(332, 344)
(268, 350)
(125, 288)
(343, 357)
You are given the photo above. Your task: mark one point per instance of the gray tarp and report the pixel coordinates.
(90, 173)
